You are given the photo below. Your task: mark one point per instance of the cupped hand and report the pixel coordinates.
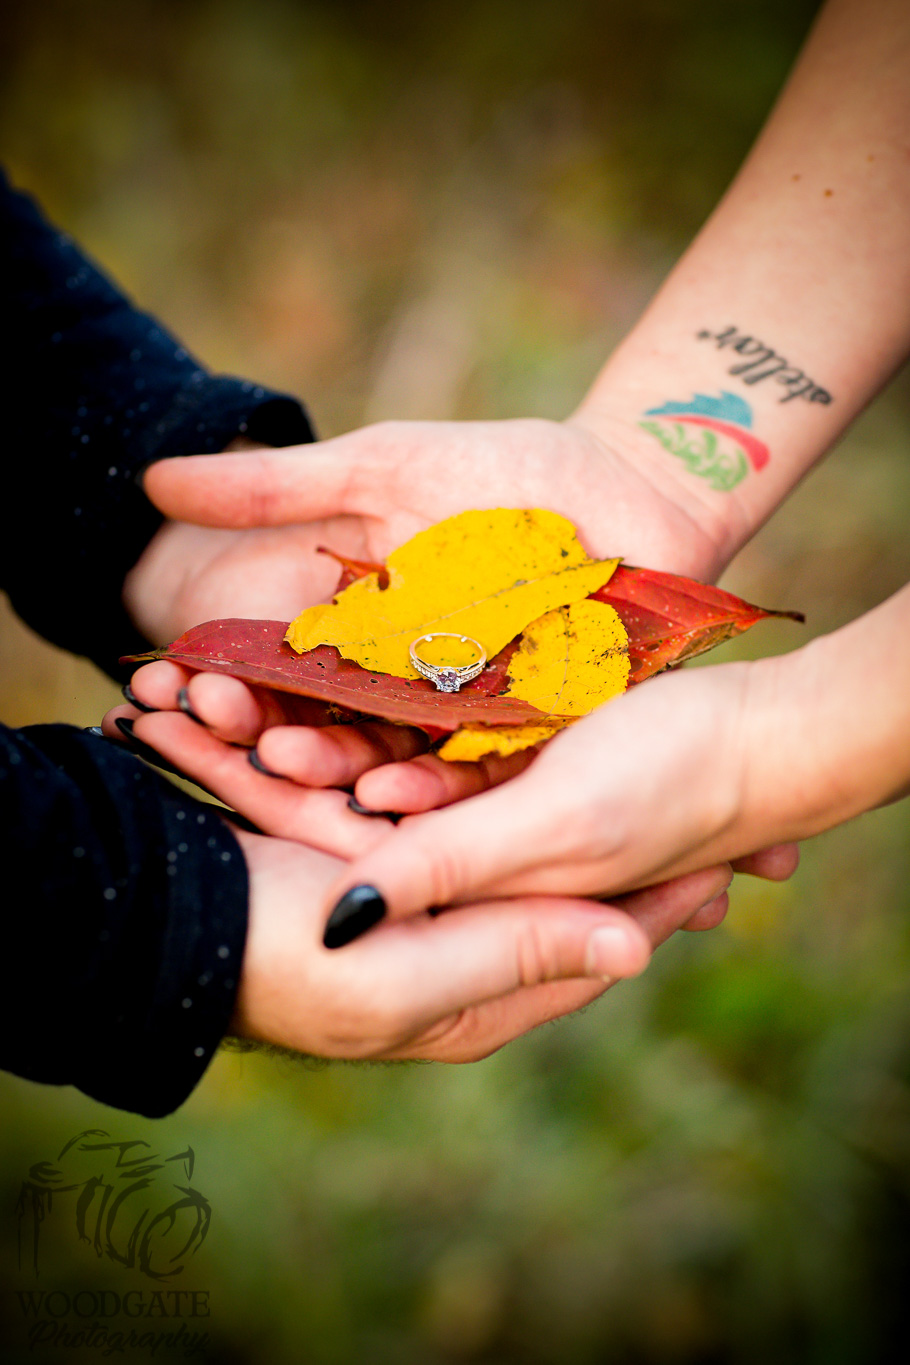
(244, 529)
(324, 820)
(368, 491)
(655, 784)
(452, 987)
(296, 742)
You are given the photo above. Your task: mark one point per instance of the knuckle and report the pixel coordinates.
(443, 873)
(264, 493)
(375, 742)
(536, 956)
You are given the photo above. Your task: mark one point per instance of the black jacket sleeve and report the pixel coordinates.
(124, 922)
(93, 391)
(125, 902)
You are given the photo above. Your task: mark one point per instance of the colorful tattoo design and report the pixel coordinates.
(722, 450)
(764, 363)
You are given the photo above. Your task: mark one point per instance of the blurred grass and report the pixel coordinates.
(413, 211)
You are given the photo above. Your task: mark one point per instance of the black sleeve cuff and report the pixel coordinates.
(124, 956)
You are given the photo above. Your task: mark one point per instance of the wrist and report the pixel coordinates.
(701, 531)
(828, 735)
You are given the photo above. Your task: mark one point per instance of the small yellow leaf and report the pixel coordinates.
(476, 741)
(571, 660)
(482, 574)
(568, 662)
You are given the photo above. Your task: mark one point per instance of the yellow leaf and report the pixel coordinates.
(571, 660)
(476, 741)
(481, 574)
(568, 661)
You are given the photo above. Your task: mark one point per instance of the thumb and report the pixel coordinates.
(441, 858)
(251, 488)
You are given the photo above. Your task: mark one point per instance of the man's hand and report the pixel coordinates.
(323, 819)
(244, 531)
(454, 987)
(688, 770)
(367, 492)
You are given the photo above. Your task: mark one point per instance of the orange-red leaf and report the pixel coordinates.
(255, 651)
(670, 619)
(352, 569)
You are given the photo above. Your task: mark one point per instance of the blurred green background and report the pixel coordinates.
(455, 211)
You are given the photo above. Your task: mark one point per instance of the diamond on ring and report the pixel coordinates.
(448, 677)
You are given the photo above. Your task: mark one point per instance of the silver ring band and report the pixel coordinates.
(449, 677)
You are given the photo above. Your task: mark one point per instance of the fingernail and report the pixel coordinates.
(233, 817)
(357, 911)
(134, 700)
(140, 473)
(186, 706)
(258, 764)
(608, 953)
(358, 809)
(141, 750)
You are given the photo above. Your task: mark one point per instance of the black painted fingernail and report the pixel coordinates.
(140, 473)
(358, 809)
(258, 764)
(141, 750)
(233, 817)
(134, 700)
(357, 911)
(186, 706)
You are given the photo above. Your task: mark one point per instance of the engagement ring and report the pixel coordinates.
(448, 677)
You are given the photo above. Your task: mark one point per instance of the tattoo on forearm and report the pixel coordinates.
(712, 436)
(761, 362)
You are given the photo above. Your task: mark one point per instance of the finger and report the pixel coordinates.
(443, 857)
(157, 685)
(259, 488)
(109, 726)
(236, 711)
(775, 864)
(473, 1033)
(429, 782)
(407, 977)
(119, 725)
(709, 916)
(690, 902)
(239, 712)
(321, 819)
(336, 755)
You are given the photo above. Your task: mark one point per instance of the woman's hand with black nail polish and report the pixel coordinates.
(319, 818)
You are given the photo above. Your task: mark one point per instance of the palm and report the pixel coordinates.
(406, 476)
(367, 492)
(197, 573)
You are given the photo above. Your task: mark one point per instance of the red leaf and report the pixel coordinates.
(255, 651)
(669, 619)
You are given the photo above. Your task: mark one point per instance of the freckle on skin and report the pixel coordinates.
(796, 177)
(828, 193)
